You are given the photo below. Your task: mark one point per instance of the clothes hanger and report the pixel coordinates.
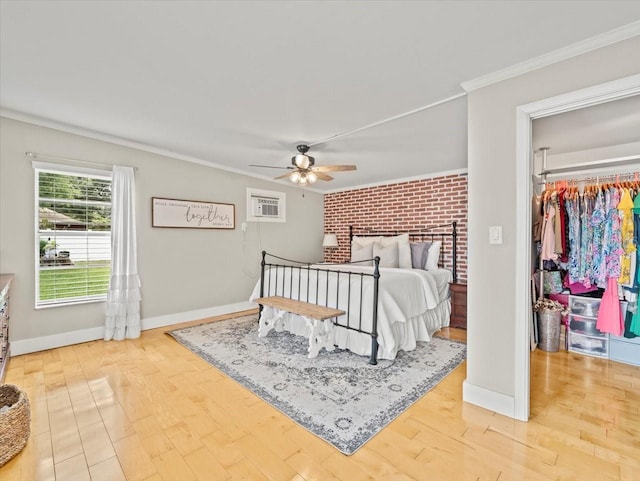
(551, 186)
(593, 190)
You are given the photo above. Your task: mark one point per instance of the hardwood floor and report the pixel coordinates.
(150, 410)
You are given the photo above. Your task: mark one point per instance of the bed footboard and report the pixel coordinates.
(337, 288)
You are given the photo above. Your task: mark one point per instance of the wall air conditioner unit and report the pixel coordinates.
(265, 206)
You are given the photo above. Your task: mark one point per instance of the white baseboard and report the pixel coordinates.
(35, 344)
(178, 317)
(487, 399)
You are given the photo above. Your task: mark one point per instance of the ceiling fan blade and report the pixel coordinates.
(283, 176)
(269, 166)
(322, 176)
(333, 168)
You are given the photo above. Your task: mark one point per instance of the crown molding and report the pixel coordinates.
(113, 139)
(608, 38)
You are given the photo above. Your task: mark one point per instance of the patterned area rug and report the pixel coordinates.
(337, 396)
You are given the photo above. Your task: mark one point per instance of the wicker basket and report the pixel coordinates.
(15, 423)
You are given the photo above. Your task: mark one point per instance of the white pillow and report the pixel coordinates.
(363, 241)
(404, 252)
(404, 249)
(362, 248)
(388, 254)
(433, 256)
(361, 253)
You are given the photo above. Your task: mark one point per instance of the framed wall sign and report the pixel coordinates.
(192, 214)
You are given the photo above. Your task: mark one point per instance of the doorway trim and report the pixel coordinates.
(525, 114)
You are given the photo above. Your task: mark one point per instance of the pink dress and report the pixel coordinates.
(609, 316)
(549, 236)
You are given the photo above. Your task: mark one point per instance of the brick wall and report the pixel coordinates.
(400, 207)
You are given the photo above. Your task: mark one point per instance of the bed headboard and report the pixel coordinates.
(437, 232)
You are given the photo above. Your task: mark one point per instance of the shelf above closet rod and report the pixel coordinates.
(596, 164)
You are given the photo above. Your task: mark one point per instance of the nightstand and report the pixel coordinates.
(458, 305)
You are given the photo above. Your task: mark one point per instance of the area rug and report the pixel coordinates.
(337, 396)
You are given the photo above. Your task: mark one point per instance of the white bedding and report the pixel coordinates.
(413, 304)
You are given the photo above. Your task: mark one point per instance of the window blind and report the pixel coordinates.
(73, 237)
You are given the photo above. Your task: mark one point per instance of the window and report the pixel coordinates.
(73, 235)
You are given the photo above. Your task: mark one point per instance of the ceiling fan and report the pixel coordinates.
(304, 170)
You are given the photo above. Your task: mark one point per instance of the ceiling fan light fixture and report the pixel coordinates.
(304, 171)
(302, 161)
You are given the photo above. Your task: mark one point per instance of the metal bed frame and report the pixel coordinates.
(273, 277)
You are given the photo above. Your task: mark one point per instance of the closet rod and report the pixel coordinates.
(587, 174)
(629, 159)
(594, 177)
(35, 155)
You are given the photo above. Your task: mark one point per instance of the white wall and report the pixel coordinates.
(180, 269)
(492, 151)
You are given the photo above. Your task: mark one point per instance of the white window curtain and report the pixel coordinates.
(123, 299)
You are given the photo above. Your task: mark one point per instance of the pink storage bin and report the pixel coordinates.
(564, 300)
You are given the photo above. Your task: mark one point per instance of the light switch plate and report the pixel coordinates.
(495, 234)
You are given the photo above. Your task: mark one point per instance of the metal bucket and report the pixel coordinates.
(549, 330)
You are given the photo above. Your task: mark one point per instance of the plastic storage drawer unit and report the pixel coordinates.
(592, 346)
(584, 306)
(584, 337)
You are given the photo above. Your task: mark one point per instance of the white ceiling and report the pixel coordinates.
(239, 83)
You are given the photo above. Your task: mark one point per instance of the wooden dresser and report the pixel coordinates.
(5, 285)
(458, 305)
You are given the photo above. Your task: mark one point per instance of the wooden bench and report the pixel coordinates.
(318, 319)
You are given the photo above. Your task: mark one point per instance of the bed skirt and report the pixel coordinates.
(405, 334)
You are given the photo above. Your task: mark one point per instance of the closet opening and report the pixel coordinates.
(571, 163)
(586, 230)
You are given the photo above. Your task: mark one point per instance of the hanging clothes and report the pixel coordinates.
(586, 239)
(597, 221)
(557, 223)
(573, 214)
(632, 327)
(625, 207)
(548, 234)
(564, 223)
(609, 316)
(613, 235)
(538, 218)
(594, 234)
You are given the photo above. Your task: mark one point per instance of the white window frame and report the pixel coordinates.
(47, 167)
